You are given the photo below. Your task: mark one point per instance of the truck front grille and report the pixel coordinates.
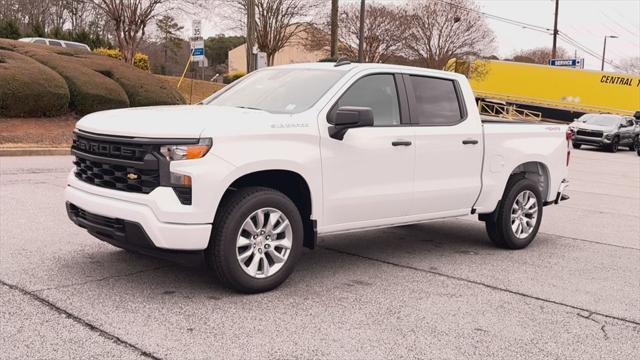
(115, 176)
(589, 133)
(116, 163)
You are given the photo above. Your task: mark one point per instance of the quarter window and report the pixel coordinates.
(377, 92)
(436, 101)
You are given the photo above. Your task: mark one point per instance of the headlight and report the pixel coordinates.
(186, 152)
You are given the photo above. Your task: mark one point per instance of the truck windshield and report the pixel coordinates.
(283, 91)
(601, 120)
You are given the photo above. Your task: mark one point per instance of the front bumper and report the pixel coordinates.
(590, 140)
(161, 235)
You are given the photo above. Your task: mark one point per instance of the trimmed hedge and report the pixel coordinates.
(142, 88)
(90, 91)
(94, 82)
(140, 60)
(28, 88)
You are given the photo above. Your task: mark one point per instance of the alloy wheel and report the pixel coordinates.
(524, 214)
(264, 242)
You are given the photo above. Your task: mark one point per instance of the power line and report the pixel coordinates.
(585, 49)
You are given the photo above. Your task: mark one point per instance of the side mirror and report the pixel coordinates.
(348, 117)
(637, 115)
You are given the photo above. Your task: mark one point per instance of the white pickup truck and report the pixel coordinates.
(246, 179)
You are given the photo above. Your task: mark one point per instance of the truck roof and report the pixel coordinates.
(370, 66)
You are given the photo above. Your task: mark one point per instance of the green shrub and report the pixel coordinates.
(9, 29)
(28, 88)
(142, 88)
(97, 82)
(90, 91)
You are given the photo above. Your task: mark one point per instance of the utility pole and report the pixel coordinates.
(334, 29)
(604, 49)
(555, 31)
(361, 33)
(251, 34)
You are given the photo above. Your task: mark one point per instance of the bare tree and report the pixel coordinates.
(441, 31)
(129, 19)
(540, 55)
(630, 65)
(385, 27)
(278, 22)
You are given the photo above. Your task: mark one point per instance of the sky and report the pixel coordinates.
(585, 21)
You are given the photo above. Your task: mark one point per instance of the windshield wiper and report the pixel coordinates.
(250, 108)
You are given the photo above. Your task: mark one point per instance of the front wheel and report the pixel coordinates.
(518, 216)
(615, 143)
(256, 240)
(634, 143)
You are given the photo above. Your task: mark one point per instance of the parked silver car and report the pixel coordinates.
(58, 43)
(605, 130)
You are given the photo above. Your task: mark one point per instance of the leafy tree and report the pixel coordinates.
(9, 29)
(169, 36)
(217, 48)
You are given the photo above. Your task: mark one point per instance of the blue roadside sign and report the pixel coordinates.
(574, 63)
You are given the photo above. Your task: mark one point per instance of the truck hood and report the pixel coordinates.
(583, 126)
(189, 121)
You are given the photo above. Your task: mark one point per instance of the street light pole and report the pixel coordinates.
(361, 33)
(604, 49)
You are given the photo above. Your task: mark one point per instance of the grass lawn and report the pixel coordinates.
(201, 89)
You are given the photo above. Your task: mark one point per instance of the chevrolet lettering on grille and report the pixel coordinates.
(106, 149)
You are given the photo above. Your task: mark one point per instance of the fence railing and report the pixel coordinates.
(508, 112)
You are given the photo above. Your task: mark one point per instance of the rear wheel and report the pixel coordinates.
(577, 146)
(518, 216)
(256, 240)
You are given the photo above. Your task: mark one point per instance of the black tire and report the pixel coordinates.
(615, 143)
(499, 230)
(221, 254)
(576, 146)
(634, 143)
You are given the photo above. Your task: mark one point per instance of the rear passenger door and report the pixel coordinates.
(449, 146)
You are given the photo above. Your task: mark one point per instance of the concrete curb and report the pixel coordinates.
(34, 151)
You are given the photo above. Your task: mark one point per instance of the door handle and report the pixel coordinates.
(401, 143)
(469, 142)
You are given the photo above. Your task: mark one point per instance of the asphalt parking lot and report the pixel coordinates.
(434, 290)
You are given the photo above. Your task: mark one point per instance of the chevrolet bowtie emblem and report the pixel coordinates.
(132, 176)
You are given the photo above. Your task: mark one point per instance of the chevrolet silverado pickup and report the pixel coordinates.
(246, 179)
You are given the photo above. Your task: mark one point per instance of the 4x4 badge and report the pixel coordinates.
(132, 176)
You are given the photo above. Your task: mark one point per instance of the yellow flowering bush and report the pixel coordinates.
(140, 60)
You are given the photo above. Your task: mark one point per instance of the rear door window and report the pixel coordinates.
(40, 41)
(436, 101)
(55, 43)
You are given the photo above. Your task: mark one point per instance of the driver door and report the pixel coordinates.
(368, 176)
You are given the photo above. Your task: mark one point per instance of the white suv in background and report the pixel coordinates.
(58, 43)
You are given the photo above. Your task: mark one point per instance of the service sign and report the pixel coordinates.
(574, 63)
